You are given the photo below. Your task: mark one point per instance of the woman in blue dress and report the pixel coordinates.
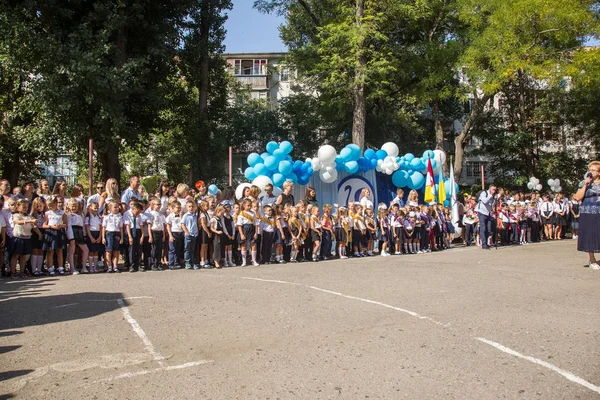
(588, 239)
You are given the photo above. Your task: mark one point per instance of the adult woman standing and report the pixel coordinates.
(60, 188)
(365, 199)
(163, 193)
(311, 196)
(588, 239)
(413, 198)
(44, 189)
(111, 192)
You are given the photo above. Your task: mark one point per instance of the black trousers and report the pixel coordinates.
(266, 249)
(156, 249)
(135, 250)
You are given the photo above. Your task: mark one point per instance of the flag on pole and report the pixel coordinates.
(442, 188)
(453, 200)
(429, 184)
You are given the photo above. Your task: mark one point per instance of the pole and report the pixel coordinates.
(482, 176)
(230, 166)
(90, 166)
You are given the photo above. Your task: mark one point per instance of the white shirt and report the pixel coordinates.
(94, 222)
(112, 222)
(174, 221)
(128, 220)
(6, 216)
(243, 220)
(73, 220)
(55, 217)
(157, 220)
(366, 203)
(546, 209)
(21, 231)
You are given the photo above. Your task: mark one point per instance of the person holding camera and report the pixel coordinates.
(588, 239)
(484, 207)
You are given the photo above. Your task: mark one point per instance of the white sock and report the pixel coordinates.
(405, 248)
(243, 256)
(410, 247)
(293, 255)
(418, 245)
(253, 256)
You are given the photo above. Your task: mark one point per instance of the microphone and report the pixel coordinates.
(588, 175)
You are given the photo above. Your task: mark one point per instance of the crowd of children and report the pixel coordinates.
(50, 233)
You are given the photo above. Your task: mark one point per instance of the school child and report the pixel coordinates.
(204, 233)
(305, 213)
(156, 234)
(371, 230)
(416, 237)
(341, 231)
(93, 227)
(408, 227)
(281, 233)
(246, 225)
(75, 237)
(287, 243)
(112, 235)
(399, 199)
(146, 243)
(359, 232)
(469, 222)
(575, 205)
(397, 236)
(449, 227)
(133, 223)
(38, 209)
(441, 223)
(328, 234)
(237, 247)
(513, 219)
(268, 226)
(560, 219)
(228, 231)
(216, 228)
(523, 224)
(316, 232)
(295, 232)
(258, 212)
(11, 207)
(425, 228)
(22, 224)
(175, 232)
(189, 226)
(3, 236)
(546, 212)
(384, 226)
(436, 230)
(55, 223)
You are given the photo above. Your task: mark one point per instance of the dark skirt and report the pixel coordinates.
(315, 236)
(204, 239)
(450, 227)
(559, 220)
(20, 246)
(78, 234)
(95, 247)
(36, 242)
(588, 238)
(54, 239)
(340, 236)
(249, 230)
(218, 246)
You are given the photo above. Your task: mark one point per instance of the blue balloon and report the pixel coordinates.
(292, 177)
(416, 163)
(409, 157)
(373, 163)
(446, 203)
(400, 179)
(370, 154)
(286, 147)
(428, 154)
(261, 169)
(448, 187)
(271, 163)
(279, 155)
(381, 154)
(253, 159)
(416, 181)
(303, 180)
(249, 174)
(340, 165)
(213, 189)
(285, 167)
(345, 154)
(298, 165)
(264, 156)
(310, 171)
(355, 152)
(272, 146)
(352, 167)
(433, 164)
(278, 180)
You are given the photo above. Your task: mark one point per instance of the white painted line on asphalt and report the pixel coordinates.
(124, 298)
(140, 332)
(66, 305)
(150, 371)
(569, 375)
(411, 313)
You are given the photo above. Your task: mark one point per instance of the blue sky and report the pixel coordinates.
(250, 31)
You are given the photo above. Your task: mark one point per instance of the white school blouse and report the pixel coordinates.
(55, 217)
(174, 221)
(94, 222)
(112, 222)
(158, 221)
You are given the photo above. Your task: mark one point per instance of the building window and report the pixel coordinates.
(250, 67)
(286, 75)
(473, 169)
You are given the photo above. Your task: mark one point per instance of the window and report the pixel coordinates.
(250, 67)
(286, 74)
(473, 169)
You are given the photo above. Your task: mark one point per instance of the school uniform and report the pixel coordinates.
(21, 243)
(94, 222)
(560, 218)
(54, 239)
(112, 224)
(190, 221)
(175, 246)
(425, 229)
(326, 239)
(513, 219)
(218, 239)
(157, 230)
(314, 233)
(247, 221)
(136, 223)
(146, 245)
(306, 250)
(203, 237)
(546, 212)
(75, 229)
(535, 225)
(358, 239)
(341, 231)
(36, 242)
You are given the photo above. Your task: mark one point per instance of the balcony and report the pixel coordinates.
(254, 81)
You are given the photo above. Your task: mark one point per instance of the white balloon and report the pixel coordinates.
(557, 182)
(530, 185)
(558, 189)
(239, 191)
(440, 157)
(550, 182)
(328, 177)
(538, 187)
(327, 154)
(262, 181)
(329, 167)
(316, 164)
(391, 149)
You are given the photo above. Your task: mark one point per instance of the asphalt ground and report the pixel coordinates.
(514, 323)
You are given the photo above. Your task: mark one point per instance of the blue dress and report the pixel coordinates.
(588, 239)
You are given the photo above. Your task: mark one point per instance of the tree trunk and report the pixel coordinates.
(110, 166)
(359, 115)
(461, 140)
(439, 131)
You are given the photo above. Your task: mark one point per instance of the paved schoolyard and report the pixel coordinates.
(516, 323)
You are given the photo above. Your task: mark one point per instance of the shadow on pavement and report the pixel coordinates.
(22, 312)
(13, 374)
(10, 333)
(24, 287)
(6, 349)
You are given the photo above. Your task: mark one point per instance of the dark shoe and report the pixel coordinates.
(131, 269)
(155, 269)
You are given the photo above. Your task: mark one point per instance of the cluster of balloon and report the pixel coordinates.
(412, 170)
(555, 185)
(387, 158)
(351, 161)
(277, 165)
(534, 184)
(325, 163)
